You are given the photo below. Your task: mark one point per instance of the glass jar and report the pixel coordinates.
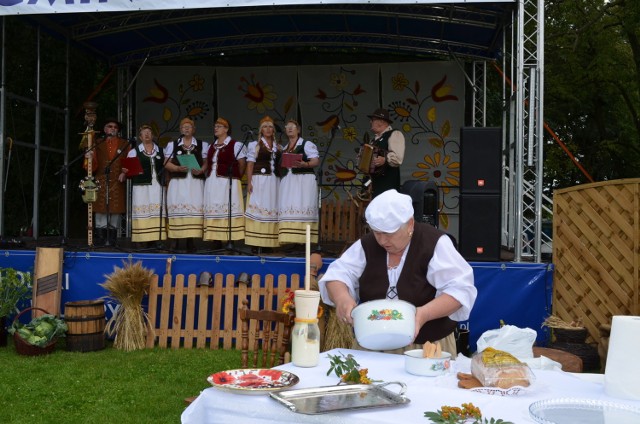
(305, 343)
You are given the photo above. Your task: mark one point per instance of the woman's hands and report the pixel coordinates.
(123, 174)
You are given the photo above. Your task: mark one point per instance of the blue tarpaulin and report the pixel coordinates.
(515, 293)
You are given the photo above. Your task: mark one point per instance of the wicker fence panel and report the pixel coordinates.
(185, 315)
(596, 252)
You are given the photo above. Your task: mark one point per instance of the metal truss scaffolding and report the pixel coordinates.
(528, 143)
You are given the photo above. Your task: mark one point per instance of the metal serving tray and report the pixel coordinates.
(320, 400)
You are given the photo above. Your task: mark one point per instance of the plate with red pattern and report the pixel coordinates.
(253, 381)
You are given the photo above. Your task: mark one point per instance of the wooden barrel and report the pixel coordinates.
(85, 321)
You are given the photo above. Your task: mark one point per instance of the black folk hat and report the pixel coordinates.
(381, 114)
(114, 121)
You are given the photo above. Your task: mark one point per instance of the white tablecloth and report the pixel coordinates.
(426, 394)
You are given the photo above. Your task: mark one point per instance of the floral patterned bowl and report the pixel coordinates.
(384, 324)
(415, 363)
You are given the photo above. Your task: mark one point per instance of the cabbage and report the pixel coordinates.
(41, 330)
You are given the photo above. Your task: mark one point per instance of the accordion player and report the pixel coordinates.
(365, 159)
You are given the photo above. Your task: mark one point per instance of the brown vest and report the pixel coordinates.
(263, 161)
(412, 286)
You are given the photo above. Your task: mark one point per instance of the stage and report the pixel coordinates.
(515, 293)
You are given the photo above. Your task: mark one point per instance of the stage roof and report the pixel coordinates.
(289, 33)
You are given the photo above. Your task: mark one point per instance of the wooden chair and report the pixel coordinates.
(265, 330)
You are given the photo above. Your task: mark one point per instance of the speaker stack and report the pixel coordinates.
(480, 193)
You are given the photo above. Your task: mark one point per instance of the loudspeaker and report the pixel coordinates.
(480, 160)
(425, 200)
(480, 227)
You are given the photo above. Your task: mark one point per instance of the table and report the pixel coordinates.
(426, 394)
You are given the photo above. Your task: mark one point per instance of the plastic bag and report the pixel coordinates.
(517, 341)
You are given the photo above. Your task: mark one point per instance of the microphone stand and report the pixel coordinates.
(63, 171)
(107, 173)
(162, 176)
(230, 246)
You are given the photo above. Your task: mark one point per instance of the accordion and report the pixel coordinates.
(365, 158)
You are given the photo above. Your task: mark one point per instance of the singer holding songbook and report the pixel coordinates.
(298, 196)
(225, 163)
(106, 155)
(148, 214)
(184, 159)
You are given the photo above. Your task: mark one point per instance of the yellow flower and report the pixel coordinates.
(260, 98)
(439, 167)
(197, 83)
(399, 82)
(339, 81)
(349, 134)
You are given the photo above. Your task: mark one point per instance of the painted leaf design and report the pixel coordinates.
(166, 114)
(417, 87)
(411, 101)
(446, 129)
(431, 114)
(321, 94)
(436, 142)
(358, 90)
(348, 105)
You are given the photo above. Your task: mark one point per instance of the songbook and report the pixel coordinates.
(189, 161)
(133, 166)
(290, 160)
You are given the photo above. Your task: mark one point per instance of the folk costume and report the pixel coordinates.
(107, 152)
(298, 197)
(185, 210)
(222, 163)
(261, 215)
(148, 219)
(391, 142)
(429, 267)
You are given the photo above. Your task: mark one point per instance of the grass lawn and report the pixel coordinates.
(106, 386)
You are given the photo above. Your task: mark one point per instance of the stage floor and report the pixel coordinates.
(328, 249)
(200, 247)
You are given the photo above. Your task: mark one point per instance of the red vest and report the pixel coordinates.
(226, 159)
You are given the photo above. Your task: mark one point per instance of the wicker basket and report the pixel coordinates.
(26, 349)
(569, 335)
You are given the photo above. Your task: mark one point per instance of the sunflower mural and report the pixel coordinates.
(416, 113)
(183, 101)
(261, 97)
(339, 100)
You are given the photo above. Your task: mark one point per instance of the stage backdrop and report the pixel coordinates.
(516, 293)
(425, 101)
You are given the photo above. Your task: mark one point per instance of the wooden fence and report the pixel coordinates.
(342, 223)
(596, 252)
(185, 315)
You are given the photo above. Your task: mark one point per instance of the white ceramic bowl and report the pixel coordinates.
(415, 363)
(384, 324)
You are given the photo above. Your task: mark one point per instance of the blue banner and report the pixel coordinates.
(513, 293)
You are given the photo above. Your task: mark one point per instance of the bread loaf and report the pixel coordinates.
(496, 368)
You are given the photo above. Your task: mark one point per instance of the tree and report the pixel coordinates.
(592, 89)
